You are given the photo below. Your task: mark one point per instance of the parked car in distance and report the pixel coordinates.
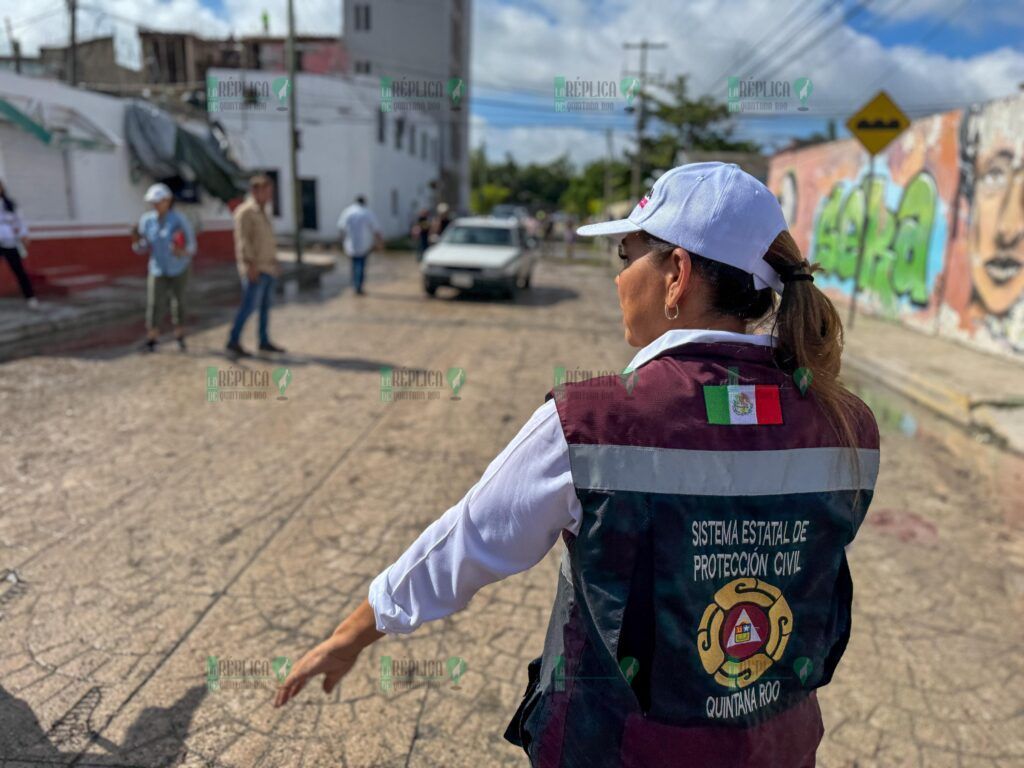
(480, 253)
(509, 211)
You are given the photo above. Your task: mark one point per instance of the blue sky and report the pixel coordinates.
(931, 55)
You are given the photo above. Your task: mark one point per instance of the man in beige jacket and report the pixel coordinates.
(256, 252)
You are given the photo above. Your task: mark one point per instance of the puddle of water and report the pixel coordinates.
(975, 455)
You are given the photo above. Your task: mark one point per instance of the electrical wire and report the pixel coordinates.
(849, 14)
(764, 57)
(754, 50)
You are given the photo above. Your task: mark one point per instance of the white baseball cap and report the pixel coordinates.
(714, 210)
(158, 192)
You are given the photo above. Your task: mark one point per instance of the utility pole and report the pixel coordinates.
(73, 43)
(15, 45)
(608, 172)
(293, 134)
(641, 110)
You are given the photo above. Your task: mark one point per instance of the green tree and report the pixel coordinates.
(681, 123)
(483, 198)
(585, 193)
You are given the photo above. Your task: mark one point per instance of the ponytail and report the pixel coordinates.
(805, 323)
(809, 335)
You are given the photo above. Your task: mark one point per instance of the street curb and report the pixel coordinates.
(956, 406)
(21, 343)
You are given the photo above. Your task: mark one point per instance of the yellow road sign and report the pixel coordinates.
(877, 123)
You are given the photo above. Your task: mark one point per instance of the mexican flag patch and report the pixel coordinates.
(743, 404)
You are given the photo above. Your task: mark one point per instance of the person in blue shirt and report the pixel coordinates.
(167, 237)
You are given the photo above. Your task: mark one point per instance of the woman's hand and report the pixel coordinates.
(333, 659)
(335, 656)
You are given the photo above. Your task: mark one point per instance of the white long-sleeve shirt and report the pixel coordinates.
(12, 228)
(507, 522)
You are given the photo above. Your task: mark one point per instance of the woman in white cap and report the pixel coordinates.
(167, 237)
(705, 501)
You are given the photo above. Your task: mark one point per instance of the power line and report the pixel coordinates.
(762, 59)
(59, 8)
(754, 50)
(848, 14)
(879, 18)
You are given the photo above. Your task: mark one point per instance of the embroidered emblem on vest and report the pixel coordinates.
(743, 632)
(743, 404)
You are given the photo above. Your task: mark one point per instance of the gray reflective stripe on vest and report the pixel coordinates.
(720, 473)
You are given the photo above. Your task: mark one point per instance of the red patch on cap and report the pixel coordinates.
(643, 202)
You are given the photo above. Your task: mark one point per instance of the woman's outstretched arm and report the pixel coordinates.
(505, 524)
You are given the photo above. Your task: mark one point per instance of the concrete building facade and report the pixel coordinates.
(421, 43)
(73, 181)
(347, 146)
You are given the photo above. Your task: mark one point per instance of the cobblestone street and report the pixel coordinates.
(144, 530)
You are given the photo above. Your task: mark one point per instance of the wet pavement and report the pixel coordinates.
(146, 530)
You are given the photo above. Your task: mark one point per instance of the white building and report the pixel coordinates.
(347, 147)
(422, 41)
(65, 161)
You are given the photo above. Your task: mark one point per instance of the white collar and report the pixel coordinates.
(679, 336)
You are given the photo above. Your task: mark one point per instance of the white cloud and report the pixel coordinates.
(46, 23)
(516, 46)
(544, 143)
(523, 46)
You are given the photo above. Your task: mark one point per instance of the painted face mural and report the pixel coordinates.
(996, 232)
(934, 236)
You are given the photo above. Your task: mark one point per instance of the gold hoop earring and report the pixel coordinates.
(671, 317)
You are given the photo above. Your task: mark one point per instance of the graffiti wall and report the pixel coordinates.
(933, 234)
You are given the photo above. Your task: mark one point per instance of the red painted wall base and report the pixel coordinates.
(61, 266)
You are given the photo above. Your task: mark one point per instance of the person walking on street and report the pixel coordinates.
(705, 501)
(360, 235)
(440, 223)
(421, 233)
(167, 237)
(258, 268)
(13, 245)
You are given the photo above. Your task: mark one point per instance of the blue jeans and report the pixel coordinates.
(259, 293)
(358, 271)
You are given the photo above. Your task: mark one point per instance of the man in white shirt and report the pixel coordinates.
(360, 234)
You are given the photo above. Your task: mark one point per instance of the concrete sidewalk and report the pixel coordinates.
(25, 331)
(973, 389)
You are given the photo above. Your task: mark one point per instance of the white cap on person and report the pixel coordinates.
(158, 192)
(714, 210)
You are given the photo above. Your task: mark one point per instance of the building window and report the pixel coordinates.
(362, 11)
(382, 127)
(275, 204)
(394, 202)
(399, 131)
(424, 142)
(307, 190)
(412, 139)
(362, 67)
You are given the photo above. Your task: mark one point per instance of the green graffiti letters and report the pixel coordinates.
(895, 244)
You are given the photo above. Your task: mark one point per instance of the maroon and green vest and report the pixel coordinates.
(707, 594)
